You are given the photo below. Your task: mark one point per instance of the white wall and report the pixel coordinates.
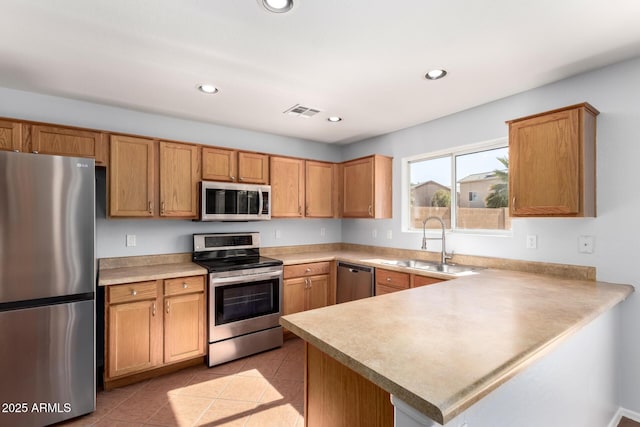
(615, 92)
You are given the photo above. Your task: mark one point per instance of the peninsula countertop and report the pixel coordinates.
(443, 347)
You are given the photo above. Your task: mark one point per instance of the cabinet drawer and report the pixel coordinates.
(184, 285)
(310, 269)
(392, 278)
(383, 289)
(424, 280)
(132, 292)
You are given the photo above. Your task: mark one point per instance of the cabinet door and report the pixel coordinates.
(253, 168)
(418, 281)
(219, 164)
(287, 187)
(179, 176)
(319, 190)
(544, 165)
(358, 188)
(135, 337)
(293, 300)
(317, 290)
(184, 327)
(68, 142)
(131, 189)
(10, 136)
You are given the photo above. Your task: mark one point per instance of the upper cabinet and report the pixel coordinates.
(69, 142)
(367, 187)
(179, 176)
(10, 136)
(552, 163)
(221, 164)
(45, 139)
(287, 187)
(320, 191)
(132, 177)
(133, 191)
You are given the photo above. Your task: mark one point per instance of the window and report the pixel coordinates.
(479, 174)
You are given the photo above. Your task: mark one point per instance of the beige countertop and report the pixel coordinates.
(443, 347)
(115, 271)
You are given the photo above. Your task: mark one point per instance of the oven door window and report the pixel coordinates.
(246, 300)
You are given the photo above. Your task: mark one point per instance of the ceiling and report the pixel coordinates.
(362, 60)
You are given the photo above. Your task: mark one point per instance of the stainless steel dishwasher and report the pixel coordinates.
(354, 282)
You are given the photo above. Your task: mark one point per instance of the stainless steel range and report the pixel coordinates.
(245, 295)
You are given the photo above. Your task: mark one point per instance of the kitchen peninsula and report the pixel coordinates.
(440, 349)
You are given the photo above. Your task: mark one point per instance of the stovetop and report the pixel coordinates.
(216, 265)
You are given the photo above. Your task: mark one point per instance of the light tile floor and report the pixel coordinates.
(263, 390)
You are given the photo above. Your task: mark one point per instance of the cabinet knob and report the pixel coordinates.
(35, 151)
(388, 279)
(184, 285)
(134, 292)
(16, 151)
(308, 270)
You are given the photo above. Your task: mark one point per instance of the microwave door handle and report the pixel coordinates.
(260, 202)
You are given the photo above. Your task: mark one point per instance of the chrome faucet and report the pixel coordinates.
(444, 256)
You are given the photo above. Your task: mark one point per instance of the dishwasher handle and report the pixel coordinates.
(355, 268)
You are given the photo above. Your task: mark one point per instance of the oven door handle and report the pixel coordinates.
(244, 278)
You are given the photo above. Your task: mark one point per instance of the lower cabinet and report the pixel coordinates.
(388, 281)
(151, 325)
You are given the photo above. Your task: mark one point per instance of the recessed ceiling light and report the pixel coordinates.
(334, 119)
(435, 74)
(277, 6)
(206, 88)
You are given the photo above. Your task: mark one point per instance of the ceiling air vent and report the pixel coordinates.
(301, 111)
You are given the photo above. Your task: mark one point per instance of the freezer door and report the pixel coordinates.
(47, 364)
(47, 226)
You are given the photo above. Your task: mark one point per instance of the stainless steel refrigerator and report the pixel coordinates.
(47, 288)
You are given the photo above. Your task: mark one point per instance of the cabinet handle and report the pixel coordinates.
(370, 210)
(167, 307)
(299, 210)
(162, 208)
(308, 270)
(513, 203)
(240, 178)
(35, 151)
(16, 151)
(184, 285)
(134, 292)
(306, 212)
(150, 207)
(153, 309)
(232, 178)
(388, 279)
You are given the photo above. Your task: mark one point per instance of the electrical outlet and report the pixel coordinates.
(532, 241)
(323, 231)
(374, 233)
(585, 244)
(389, 234)
(278, 234)
(131, 240)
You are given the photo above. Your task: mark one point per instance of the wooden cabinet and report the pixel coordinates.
(179, 176)
(319, 189)
(184, 318)
(388, 281)
(307, 286)
(337, 396)
(221, 164)
(417, 280)
(153, 324)
(552, 163)
(132, 177)
(10, 135)
(134, 328)
(69, 142)
(287, 187)
(367, 187)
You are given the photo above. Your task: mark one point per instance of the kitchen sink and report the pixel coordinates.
(453, 269)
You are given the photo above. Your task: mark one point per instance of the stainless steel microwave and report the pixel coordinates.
(224, 201)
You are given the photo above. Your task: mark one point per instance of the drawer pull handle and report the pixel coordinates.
(388, 279)
(185, 286)
(134, 292)
(308, 270)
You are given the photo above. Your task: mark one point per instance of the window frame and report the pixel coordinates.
(451, 153)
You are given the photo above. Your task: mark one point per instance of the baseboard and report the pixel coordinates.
(622, 412)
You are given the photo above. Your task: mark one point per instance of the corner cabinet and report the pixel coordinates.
(367, 187)
(552, 163)
(151, 326)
